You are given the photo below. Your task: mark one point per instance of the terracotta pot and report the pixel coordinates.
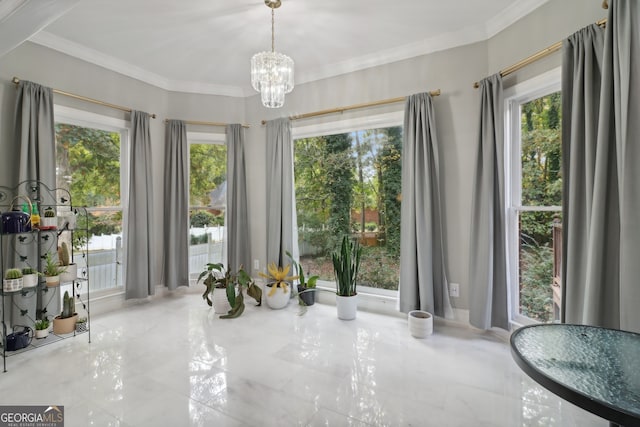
(64, 326)
(52, 281)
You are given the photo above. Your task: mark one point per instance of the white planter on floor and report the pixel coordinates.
(420, 323)
(220, 302)
(279, 299)
(347, 307)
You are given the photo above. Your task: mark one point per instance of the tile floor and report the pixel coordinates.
(171, 362)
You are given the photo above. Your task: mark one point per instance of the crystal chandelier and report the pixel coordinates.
(272, 72)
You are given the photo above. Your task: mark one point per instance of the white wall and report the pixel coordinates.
(453, 71)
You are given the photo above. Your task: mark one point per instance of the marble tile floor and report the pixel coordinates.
(172, 362)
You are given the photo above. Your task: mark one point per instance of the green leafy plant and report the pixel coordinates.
(13, 273)
(309, 282)
(42, 324)
(51, 267)
(217, 277)
(346, 263)
(29, 270)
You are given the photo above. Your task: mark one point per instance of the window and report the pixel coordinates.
(207, 199)
(89, 164)
(347, 181)
(534, 195)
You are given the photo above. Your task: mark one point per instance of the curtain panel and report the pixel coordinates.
(140, 265)
(176, 213)
(237, 214)
(423, 279)
(600, 266)
(282, 223)
(488, 286)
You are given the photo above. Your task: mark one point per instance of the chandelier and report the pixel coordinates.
(272, 72)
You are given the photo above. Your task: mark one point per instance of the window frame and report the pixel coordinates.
(347, 125)
(539, 86)
(77, 117)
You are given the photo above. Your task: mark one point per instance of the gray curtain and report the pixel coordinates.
(423, 279)
(488, 287)
(602, 229)
(282, 224)
(35, 138)
(237, 217)
(176, 212)
(139, 266)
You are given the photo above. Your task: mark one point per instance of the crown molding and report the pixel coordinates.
(478, 33)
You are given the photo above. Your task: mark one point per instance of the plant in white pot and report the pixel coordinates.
(229, 303)
(12, 280)
(346, 263)
(48, 220)
(70, 272)
(30, 277)
(277, 286)
(52, 271)
(42, 328)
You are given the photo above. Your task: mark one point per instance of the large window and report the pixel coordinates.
(348, 183)
(207, 199)
(534, 196)
(89, 164)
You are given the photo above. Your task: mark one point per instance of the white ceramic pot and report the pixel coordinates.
(30, 280)
(220, 302)
(42, 333)
(347, 307)
(279, 299)
(12, 285)
(420, 323)
(48, 223)
(70, 273)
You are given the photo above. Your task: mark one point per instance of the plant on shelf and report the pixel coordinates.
(52, 270)
(30, 277)
(81, 324)
(278, 283)
(42, 328)
(306, 286)
(66, 322)
(231, 301)
(70, 272)
(346, 263)
(48, 221)
(12, 280)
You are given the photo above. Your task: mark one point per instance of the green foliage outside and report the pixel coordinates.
(207, 170)
(202, 218)
(337, 179)
(541, 157)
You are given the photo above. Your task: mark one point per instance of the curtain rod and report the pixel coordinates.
(536, 56)
(196, 122)
(84, 98)
(353, 107)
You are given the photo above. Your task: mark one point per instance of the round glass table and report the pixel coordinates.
(595, 368)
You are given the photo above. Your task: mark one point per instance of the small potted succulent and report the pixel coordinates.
(52, 271)
(346, 263)
(29, 277)
(12, 280)
(70, 272)
(42, 328)
(229, 303)
(277, 286)
(65, 323)
(48, 220)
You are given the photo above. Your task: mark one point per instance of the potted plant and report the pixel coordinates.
(29, 277)
(346, 263)
(42, 328)
(306, 286)
(229, 303)
(65, 323)
(12, 280)
(70, 272)
(278, 284)
(82, 325)
(52, 271)
(48, 220)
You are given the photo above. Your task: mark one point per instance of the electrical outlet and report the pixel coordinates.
(256, 264)
(454, 290)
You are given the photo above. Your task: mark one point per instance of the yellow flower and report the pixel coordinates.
(278, 276)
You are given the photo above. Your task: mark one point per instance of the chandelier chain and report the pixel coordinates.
(273, 37)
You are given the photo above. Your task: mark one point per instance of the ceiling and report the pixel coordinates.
(205, 46)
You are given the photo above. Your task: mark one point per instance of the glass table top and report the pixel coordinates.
(598, 363)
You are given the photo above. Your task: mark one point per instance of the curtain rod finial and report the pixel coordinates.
(605, 4)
